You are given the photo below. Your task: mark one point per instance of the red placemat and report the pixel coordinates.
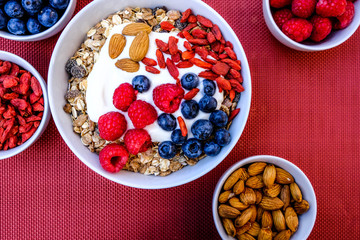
(305, 108)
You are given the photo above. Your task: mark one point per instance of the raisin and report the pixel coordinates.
(179, 25)
(69, 64)
(72, 94)
(160, 7)
(78, 71)
(156, 27)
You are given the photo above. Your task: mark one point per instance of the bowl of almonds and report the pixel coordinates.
(264, 197)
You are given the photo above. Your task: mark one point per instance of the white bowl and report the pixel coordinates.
(75, 33)
(306, 220)
(48, 32)
(22, 63)
(334, 39)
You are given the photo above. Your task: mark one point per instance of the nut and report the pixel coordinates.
(266, 220)
(127, 65)
(116, 45)
(285, 196)
(273, 191)
(234, 177)
(245, 236)
(291, 219)
(254, 229)
(226, 211)
(265, 234)
(295, 192)
(239, 187)
(243, 218)
(301, 207)
(269, 175)
(283, 177)
(269, 203)
(256, 168)
(248, 197)
(133, 29)
(258, 196)
(224, 197)
(139, 46)
(243, 229)
(279, 220)
(229, 227)
(255, 182)
(284, 235)
(235, 202)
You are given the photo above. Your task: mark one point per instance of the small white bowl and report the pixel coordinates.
(59, 25)
(22, 63)
(306, 220)
(334, 39)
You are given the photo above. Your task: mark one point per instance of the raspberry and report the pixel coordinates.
(282, 16)
(113, 157)
(330, 8)
(279, 3)
(297, 29)
(303, 8)
(137, 140)
(112, 126)
(321, 28)
(142, 114)
(346, 18)
(123, 96)
(167, 97)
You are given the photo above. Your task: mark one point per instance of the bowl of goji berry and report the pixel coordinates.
(24, 106)
(312, 25)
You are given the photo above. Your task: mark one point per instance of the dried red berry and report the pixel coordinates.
(186, 15)
(202, 52)
(151, 69)
(166, 25)
(233, 114)
(35, 86)
(197, 41)
(191, 94)
(149, 61)
(220, 68)
(163, 46)
(210, 37)
(201, 63)
(204, 21)
(173, 48)
(174, 72)
(184, 64)
(160, 58)
(192, 19)
(208, 75)
(216, 31)
(198, 33)
(187, 55)
(187, 45)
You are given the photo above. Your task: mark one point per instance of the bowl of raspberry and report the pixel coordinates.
(155, 96)
(311, 25)
(34, 20)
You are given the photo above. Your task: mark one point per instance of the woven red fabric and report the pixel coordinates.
(305, 108)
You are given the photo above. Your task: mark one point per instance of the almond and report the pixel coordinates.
(243, 229)
(253, 213)
(255, 182)
(127, 65)
(295, 192)
(254, 230)
(229, 227)
(285, 196)
(273, 191)
(291, 219)
(284, 235)
(259, 214)
(256, 168)
(243, 218)
(269, 175)
(235, 202)
(265, 234)
(266, 220)
(245, 236)
(139, 46)
(283, 177)
(248, 197)
(239, 187)
(269, 203)
(226, 211)
(116, 45)
(301, 207)
(258, 196)
(279, 220)
(133, 29)
(224, 197)
(234, 177)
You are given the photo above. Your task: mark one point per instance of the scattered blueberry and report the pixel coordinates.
(141, 83)
(167, 121)
(177, 137)
(189, 81)
(202, 129)
(219, 118)
(47, 17)
(189, 109)
(16, 26)
(3, 19)
(33, 26)
(209, 87)
(59, 4)
(13, 9)
(167, 149)
(192, 148)
(31, 6)
(211, 148)
(207, 104)
(222, 137)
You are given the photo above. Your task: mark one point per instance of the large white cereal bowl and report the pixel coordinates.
(70, 40)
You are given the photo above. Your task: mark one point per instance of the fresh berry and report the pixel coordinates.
(167, 149)
(222, 137)
(47, 17)
(219, 118)
(330, 8)
(189, 81)
(113, 157)
(137, 140)
(192, 148)
(207, 104)
(33, 26)
(202, 129)
(282, 16)
(112, 126)
(279, 3)
(177, 137)
(31, 6)
(142, 114)
(346, 18)
(13, 9)
(167, 121)
(59, 4)
(190, 109)
(211, 148)
(16, 26)
(209, 87)
(303, 8)
(123, 96)
(141, 83)
(297, 29)
(3, 19)
(321, 28)
(167, 97)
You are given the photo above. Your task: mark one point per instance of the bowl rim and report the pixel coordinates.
(252, 159)
(46, 114)
(59, 25)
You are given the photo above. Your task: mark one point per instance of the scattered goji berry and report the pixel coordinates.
(176, 57)
(198, 33)
(233, 114)
(235, 74)
(5, 67)
(14, 71)
(232, 95)
(231, 53)
(190, 26)
(21, 120)
(215, 46)
(27, 135)
(33, 118)
(223, 83)
(10, 112)
(221, 48)
(10, 81)
(187, 55)
(191, 94)
(20, 104)
(187, 45)
(216, 31)
(204, 21)
(198, 41)
(214, 55)
(182, 126)
(210, 37)
(26, 127)
(166, 25)
(186, 15)
(35, 86)
(202, 52)
(184, 64)
(10, 96)
(208, 75)
(173, 48)
(229, 44)
(174, 72)
(236, 85)
(233, 64)
(160, 58)
(192, 19)
(181, 35)
(210, 60)
(149, 62)
(220, 68)
(163, 46)
(149, 69)
(187, 35)
(201, 63)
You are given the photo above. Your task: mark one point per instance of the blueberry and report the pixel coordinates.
(222, 137)
(167, 121)
(189, 109)
(189, 81)
(47, 17)
(13, 9)
(33, 26)
(207, 104)
(202, 129)
(59, 4)
(16, 26)
(141, 83)
(167, 149)
(209, 87)
(211, 148)
(31, 6)
(177, 137)
(192, 148)
(219, 118)
(3, 19)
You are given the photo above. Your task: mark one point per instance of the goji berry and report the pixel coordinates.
(10, 96)
(216, 31)
(36, 124)
(221, 48)
(192, 19)
(189, 27)
(208, 75)
(33, 118)
(163, 46)
(187, 35)
(187, 45)
(191, 94)
(236, 85)
(223, 83)
(150, 69)
(25, 81)
(184, 64)
(176, 57)
(186, 15)
(201, 63)
(14, 71)
(35, 86)
(233, 64)
(231, 53)
(34, 98)
(182, 126)
(20, 104)
(220, 68)
(160, 58)
(37, 107)
(233, 114)
(222, 56)
(173, 48)
(232, 95)
(13, 142)
(25, 136)
(5, 67)
(149, 61)
(21, 120)
(204, 21)
(229, 44)
(174, 72)
(10, 112)
(181, 35)
(41, 101)
(214, 55)
(210, 60)
(198, 41)
(202, 52)
(215, 46)
(26, 127)
(187, 55)
(210, 37)
(10, 81)
(235, 74)
(166, 25)
(198, 33)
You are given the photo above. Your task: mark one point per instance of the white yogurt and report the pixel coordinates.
(105, 77)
